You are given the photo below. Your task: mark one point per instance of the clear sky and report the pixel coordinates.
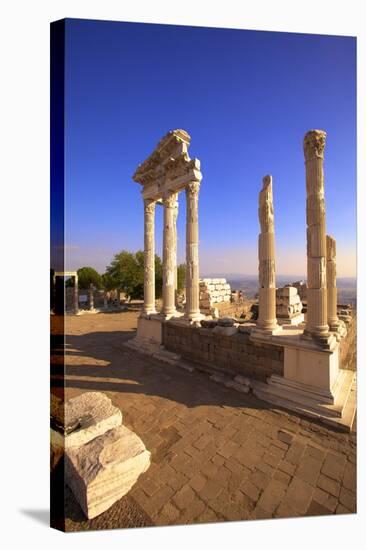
(246, 98)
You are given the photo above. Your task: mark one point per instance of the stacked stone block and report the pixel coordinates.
(102, 458)
(213, 292)
(288, 305)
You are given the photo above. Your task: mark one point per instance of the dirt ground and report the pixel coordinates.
(217, 455)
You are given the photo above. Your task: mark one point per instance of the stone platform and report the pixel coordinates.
(283, 367)
(216, 454)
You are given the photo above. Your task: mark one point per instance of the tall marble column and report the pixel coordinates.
(192, 270)
(176, 248)
(76, 294)
(333, 320)
(317, 313)
(149, 257)
(266, 252)
(169, 254)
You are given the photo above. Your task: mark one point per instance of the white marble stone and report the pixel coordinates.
(104, 470)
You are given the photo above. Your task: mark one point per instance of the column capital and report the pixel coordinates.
(170, 199)
(193, 187)
(149, 206)
(314, 144)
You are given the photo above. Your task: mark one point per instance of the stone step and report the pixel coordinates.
(238, 387)
(167, 356)
(340, 414)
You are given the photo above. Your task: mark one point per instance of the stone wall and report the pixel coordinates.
(348, 348)
(212, 292)
(234, 354)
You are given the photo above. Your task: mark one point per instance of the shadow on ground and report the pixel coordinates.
(124, 370)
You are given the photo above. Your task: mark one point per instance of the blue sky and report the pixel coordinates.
(246, 98)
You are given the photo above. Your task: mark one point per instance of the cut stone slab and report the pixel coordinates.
(104, 470)
(87, 416)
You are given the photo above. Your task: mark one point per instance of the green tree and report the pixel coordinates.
(108, 282)
(89, 276)
(181, 276)
(127, 271)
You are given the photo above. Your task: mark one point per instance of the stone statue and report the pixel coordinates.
(266, 217)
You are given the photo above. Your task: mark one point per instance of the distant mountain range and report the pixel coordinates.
(347, 286)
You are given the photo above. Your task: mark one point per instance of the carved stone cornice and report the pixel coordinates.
(314, 144)
(172, 145)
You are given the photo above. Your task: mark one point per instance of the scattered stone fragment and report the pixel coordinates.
(87, 416)
(80, 420)
(102, 471)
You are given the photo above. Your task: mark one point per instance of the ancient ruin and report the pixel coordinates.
(295, 363)
(289, 306)
(267, 321)
(103, 458)
(58, 291)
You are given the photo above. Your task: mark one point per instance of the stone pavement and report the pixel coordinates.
(216, 454)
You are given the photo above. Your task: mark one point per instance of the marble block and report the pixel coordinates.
(104, 470)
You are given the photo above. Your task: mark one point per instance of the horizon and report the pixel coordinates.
(247, 104)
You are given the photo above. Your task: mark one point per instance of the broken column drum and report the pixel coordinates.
(149, 257)
(169, 253)
(317, 313)
(266, 251)
(333, 320)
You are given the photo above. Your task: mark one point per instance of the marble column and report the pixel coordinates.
(317, 313)
(333, 320)
(91, 297)
(169, 254)
(266, 252)
(176, 248)
(192, 271)
(149, 257)
(76, 294)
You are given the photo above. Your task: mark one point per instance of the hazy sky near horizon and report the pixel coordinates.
(246, 98)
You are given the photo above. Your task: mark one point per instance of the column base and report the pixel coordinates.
(171, 315)
(324, 340)
(149, 337)
(145, 314)
(268, 330)
(194, 317)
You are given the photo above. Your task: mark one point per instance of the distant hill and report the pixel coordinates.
(347, 286)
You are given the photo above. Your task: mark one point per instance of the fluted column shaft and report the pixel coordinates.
(266, 253)
(149, 257)
(192, 271)
(317, 314)
(169, 253)
(176, 248)
(333, 320)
